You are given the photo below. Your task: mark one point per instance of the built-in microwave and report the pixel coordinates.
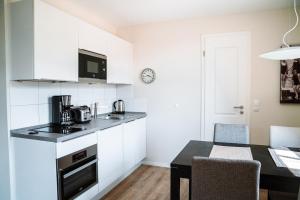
(92, 65)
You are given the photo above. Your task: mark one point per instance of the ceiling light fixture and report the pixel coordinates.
(286, 52)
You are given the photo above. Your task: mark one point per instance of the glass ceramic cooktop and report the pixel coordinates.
(58, 129)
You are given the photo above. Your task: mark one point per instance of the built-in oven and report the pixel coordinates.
(77, 172)
(92, 65)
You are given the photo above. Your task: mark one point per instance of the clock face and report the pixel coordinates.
(148, 75)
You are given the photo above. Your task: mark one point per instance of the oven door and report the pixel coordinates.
(92, 67)
(77, 179)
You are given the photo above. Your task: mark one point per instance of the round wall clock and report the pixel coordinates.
(148, 75)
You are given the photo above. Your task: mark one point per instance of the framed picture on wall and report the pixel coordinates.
(290, 81)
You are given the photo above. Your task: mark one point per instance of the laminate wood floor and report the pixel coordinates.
(150, 183)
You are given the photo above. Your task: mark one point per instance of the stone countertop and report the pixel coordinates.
(91, 127)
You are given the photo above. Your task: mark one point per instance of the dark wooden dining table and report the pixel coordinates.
(271, 177)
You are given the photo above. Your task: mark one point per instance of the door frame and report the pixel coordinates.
(203, 77)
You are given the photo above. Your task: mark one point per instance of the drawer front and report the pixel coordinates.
(70, 146)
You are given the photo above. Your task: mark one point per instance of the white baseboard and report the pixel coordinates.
(157, 164)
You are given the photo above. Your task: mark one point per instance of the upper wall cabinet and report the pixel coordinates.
(44, 42)
(120, 61)
(92, 38)
(118, 52)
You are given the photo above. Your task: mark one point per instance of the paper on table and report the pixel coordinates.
(287, 158)
(229, 152)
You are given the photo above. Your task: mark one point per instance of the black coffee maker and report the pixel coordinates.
(61, 110)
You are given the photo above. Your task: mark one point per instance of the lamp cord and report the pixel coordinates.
(289, 31)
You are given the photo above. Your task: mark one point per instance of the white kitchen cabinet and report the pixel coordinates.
(70, 146)
(92, 38)
(118, 51)
(120, 61)
(141, 139)
(36, 166)
(110, 155)
(134, 143)
(44, 42)
(34, 169)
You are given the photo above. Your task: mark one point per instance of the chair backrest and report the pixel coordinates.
(231, 133)
(223, 179)
(282, 136)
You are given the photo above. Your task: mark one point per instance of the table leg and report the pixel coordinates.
(175, 184)
(190, 188)
(299, 193)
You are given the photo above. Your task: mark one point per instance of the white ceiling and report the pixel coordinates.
(122, 13)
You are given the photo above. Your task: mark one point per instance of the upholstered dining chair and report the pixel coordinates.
(282, 136)
(223, 179)
(231, 133)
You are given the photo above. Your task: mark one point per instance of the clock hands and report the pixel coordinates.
(146, 75)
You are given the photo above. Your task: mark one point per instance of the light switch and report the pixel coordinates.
(256, 105)
(256, 102)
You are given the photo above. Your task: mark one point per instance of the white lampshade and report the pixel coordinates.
(285, 53)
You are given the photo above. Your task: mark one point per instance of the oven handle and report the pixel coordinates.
(80, 168)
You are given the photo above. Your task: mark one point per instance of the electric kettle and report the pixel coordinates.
(119, 107)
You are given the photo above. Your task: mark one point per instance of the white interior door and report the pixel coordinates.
(226, 77)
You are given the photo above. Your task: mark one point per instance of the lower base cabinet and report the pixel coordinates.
(120, 149)
(110, 155)
(134, 143)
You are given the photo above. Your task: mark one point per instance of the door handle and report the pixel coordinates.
(238, 107)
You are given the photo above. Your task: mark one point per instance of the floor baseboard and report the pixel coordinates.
(156, 164)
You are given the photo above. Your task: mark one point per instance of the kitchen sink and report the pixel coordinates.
(111, 117)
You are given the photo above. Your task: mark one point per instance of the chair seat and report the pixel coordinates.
(274, 195)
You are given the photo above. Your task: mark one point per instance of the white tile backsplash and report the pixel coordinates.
(24, 116)
(23, 93)
(30, 101)
(45, 114)
(70, 89)
(47, 90)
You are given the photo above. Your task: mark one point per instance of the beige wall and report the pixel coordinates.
(173, 50)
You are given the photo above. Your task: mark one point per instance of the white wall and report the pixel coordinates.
(173, 50)
(4, 138)
(30, 102)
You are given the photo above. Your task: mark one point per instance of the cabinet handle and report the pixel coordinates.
(80, 168)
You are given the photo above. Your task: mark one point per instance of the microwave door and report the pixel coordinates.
(92, 67)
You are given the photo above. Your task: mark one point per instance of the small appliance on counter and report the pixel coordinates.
(119, 107)
(81, 114)
(61, 110)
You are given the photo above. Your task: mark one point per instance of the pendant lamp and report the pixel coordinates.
(287, 52)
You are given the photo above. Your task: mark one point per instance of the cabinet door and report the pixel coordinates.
(55, 44)
(142, 138)
(110, 155)
(130, 149)
(92, 38)
(134, 142)
(120, 61)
